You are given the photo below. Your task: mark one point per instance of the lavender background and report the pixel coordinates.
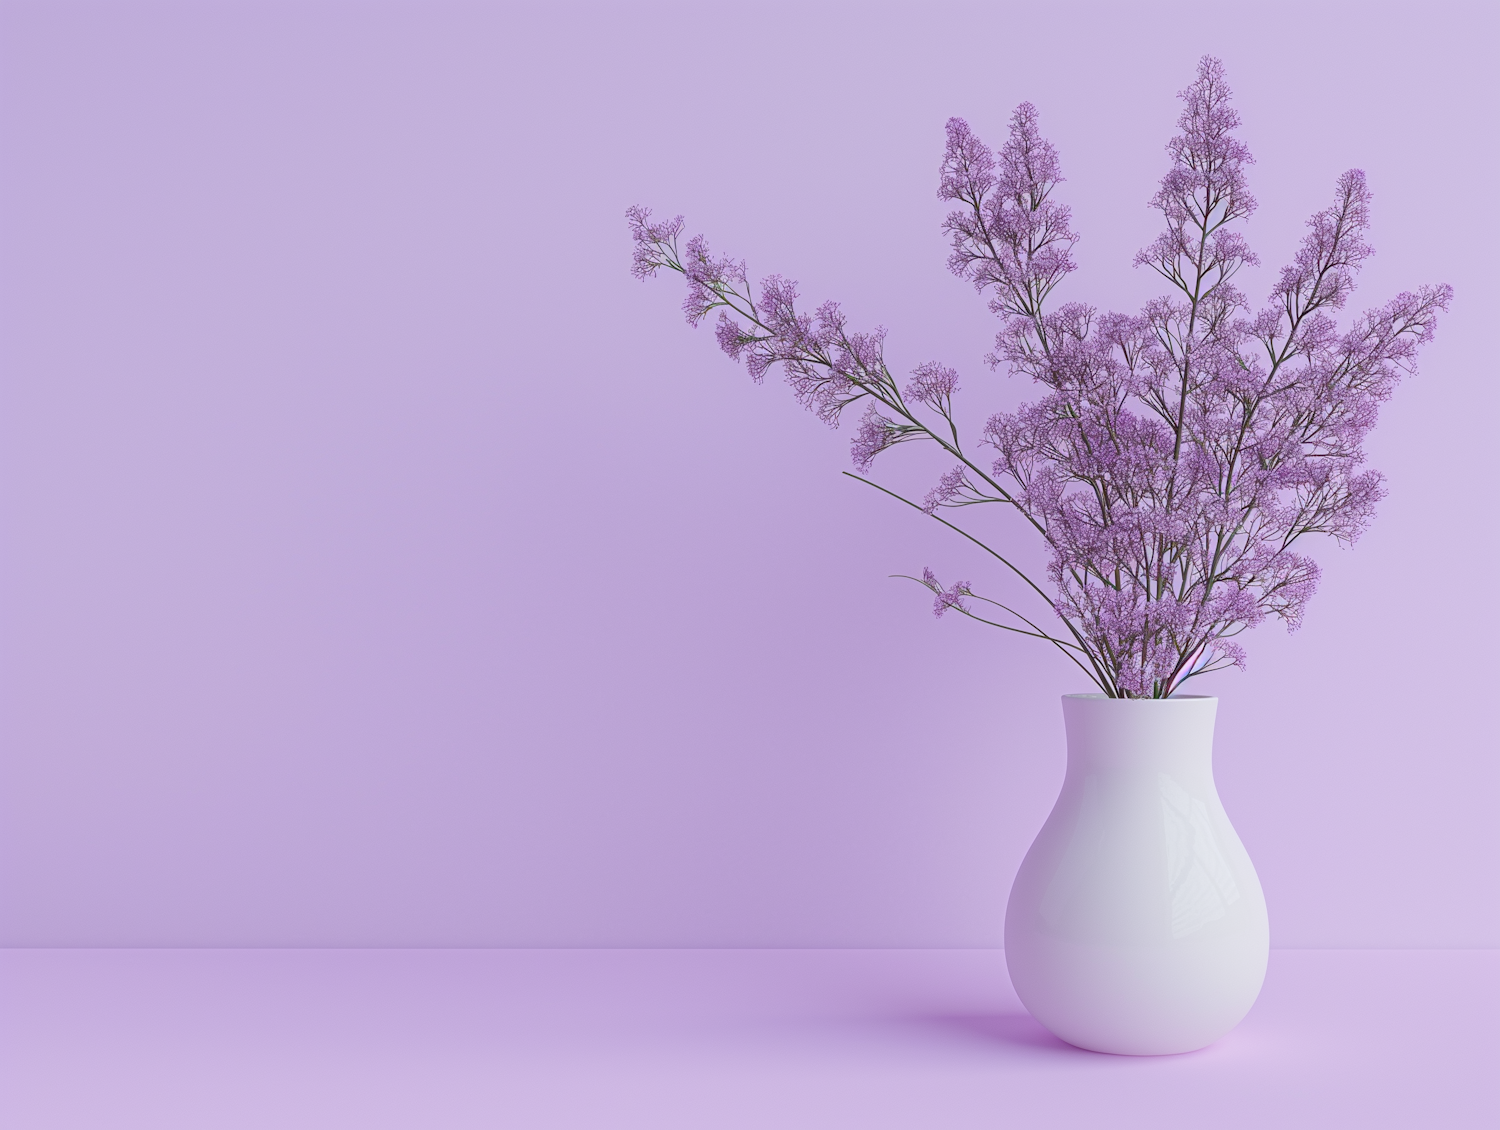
(382, 566)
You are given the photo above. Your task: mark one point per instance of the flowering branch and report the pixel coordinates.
(1176, 456)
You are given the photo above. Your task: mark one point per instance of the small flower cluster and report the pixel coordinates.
(1175, 457)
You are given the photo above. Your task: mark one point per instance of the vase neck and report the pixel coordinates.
(1173, 735)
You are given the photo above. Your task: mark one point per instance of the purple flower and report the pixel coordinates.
(946, 598)
(949, 487)
(933, 385)
(875, 434)
(650, 240)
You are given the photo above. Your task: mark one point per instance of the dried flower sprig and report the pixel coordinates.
(1177, 455)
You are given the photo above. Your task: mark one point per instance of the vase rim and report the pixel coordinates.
(1097, 697)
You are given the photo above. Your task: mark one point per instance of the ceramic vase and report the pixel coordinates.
(1136, 924)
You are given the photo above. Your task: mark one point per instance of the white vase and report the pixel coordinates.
(1136, 924)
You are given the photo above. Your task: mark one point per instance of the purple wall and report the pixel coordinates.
(381, 565)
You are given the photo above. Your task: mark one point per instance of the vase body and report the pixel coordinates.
(1136, 924)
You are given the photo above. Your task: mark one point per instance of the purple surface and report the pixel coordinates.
(381, 565)
(1367, 1039)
